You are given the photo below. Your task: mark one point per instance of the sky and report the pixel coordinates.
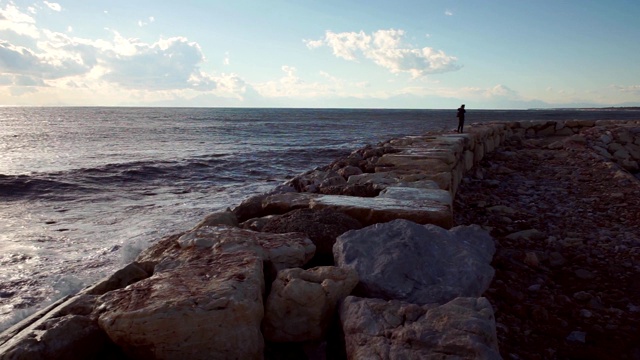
(433, 54)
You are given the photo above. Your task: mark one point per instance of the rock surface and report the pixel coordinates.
(421, 264)
(302, 303)
(382, 209)
(463, 328)
(197, 304)
(572, 290)
(321, 226)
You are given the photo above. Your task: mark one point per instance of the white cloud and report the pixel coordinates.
(448, 12)
(167, 64)
(292, 86)
(53, 6)
(56, 59)
(386, 48)
(142, 23)
(18, 22)
(634, 89)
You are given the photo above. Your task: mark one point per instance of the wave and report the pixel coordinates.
(68, 184)
(196, 172)
(20, 186)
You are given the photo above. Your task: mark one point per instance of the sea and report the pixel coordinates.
(84, 189)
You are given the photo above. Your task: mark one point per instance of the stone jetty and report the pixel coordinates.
(390, 252)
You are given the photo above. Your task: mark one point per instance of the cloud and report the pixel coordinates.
(386, 48)
(57, 59)
(167, 64)
(53, 6)
(448, 12)
(150, 20)
(634, 89)
(290, 85)
(13, 20)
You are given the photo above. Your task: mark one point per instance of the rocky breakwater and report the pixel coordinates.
(562, 203)
(358, 259)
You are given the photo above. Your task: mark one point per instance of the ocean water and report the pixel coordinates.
(83, 190)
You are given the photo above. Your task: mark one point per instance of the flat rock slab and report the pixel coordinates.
(412, 161)
(463, 328)
(418, 194)
(421, 264)
(380, 209)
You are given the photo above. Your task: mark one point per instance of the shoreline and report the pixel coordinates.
(397, 191)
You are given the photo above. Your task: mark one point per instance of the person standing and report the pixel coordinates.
(460, 116)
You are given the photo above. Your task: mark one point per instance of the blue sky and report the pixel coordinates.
(321, 53)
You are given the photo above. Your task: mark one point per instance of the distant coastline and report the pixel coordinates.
(616, 108)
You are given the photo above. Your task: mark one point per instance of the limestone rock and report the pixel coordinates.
(203, 304)
(282, 250)
(311, 181)
(302, 303)
(463, 328)
(321, 226)
(421, 264)
(382, 209)
(66, 337)
(121, 278)
(226, 217)
(415, 194)
(283, 203)
(424, 163)
(253, 208)
(349, 171)
(63, 330)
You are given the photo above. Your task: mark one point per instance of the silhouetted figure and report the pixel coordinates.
(460, 116)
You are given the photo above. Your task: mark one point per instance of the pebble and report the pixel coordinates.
(584, 274)
(577, 336)
(535, 287)
(585, 313)
(586, 208)
(582, 296)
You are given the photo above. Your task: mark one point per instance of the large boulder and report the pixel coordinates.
(302, 303)
(321, 226)
(282, 250)
(226, 217)
(252, 207)
(463, 328)
(422, 264)
(63, 330)
(65, 337)
(197, 305)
